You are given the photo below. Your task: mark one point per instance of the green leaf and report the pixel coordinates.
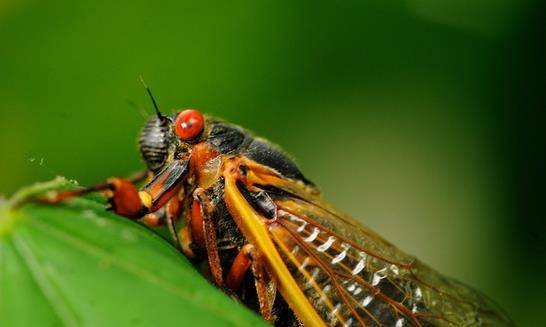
(76, 264)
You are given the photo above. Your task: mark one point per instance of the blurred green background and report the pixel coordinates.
(423, 118)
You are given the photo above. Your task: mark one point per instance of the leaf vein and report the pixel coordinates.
(46, 286)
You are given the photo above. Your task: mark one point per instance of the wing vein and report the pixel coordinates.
(329, 272)
(306, 274)
(350, 242)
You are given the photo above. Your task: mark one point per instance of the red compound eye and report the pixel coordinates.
(189, 124)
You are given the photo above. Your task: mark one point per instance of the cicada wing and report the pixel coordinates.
(349, 274)
(373, 282)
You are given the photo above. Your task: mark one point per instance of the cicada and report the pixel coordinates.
(237, 204)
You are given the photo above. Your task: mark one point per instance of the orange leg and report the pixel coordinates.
(203, 233)
(246, 259)
(123, 196)
(240, 266)
(121, 193)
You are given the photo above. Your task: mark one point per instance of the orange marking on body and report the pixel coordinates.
(202, 153)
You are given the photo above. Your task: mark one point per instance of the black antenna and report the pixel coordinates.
(149, 91)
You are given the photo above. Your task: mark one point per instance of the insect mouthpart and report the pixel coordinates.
(154, 143)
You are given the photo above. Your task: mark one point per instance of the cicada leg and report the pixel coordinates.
(173, 211)
(168, 215)
(240, 266)
(203, 233)
(246, 259)
(123, 196)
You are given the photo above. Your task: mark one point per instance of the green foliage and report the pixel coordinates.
(76, 264)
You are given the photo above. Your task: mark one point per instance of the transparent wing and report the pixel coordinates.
(353, 277)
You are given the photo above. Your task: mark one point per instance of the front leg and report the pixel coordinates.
(168, 215)
(123, 196)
